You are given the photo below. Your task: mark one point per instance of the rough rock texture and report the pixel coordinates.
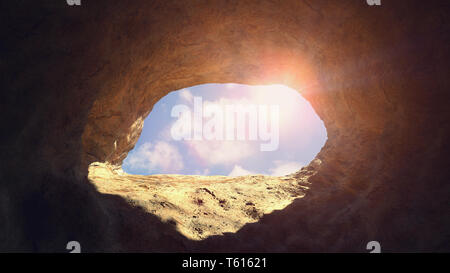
(202, 206)
(76, 83)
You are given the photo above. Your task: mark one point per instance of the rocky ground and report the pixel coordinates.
(202, 206)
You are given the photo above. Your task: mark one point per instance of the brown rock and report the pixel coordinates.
(77, 83)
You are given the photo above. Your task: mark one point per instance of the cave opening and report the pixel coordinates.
(213, 157)
(72, 98)
(228, 129)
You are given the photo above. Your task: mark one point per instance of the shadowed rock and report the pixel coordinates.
(78, 82)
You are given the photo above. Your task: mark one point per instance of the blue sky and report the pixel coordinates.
(301, 135)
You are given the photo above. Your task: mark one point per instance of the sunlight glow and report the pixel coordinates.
(301, 133)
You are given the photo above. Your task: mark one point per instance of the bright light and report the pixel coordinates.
(300, 133)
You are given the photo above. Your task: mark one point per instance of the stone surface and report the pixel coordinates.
(78, 81)
(202, 206)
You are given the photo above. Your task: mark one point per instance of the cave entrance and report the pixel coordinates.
(228, 129)
(238, 152)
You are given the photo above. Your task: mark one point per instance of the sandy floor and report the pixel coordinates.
(201, 206)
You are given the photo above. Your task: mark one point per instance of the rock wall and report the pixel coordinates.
(78, 81)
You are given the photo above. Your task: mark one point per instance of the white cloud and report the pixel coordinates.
(239, 171)
(203, 172)
(165, 132)
(281, 168)
(230, 85)
(285, 167)
(220, 152)
(186, 95)
(160, 156)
